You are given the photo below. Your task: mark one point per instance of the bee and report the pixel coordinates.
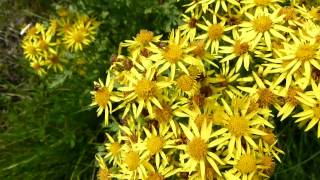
(25, 29)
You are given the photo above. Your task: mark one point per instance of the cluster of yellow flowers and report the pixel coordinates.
(48, 45)
(202, 104)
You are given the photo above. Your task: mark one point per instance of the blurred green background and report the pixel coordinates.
(48, 131)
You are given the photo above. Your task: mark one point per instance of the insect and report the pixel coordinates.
(25, 29)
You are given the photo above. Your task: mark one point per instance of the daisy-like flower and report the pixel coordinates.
(45, 43)
(171, 107)
(186, 84)
(103, 97)
(30, 49)
(103, 173)
(242, 126)
(246, 166)
(200, 52)
(54, 61)
(76, 38)
(263, 95)
(223, 80)
(142, 90)
(239, 50)
(300, 56)
(142, 40)
(263, 25)
(261, 5)
(189, 28)
(38, 65)
(291, 16)
(133, 166)
(290, 101)
(198, 150)
(176, 54)
(156, 143)
(221, 3)
(161, 173)
(267, 144)
(214, 33)
(311, 111)
(113, 149)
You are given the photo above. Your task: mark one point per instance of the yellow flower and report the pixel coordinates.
(143, 90)
(37, 65)
(161, 173)
(30, 49)
(114, 149)
(53, 60)
(214, 33)
(311, 111)
(220, 3)
(157, 143)
(244, 167)
(300, 56)
(103, 173)
(240, 50)
(225, 79)
(103, 97)
(133, 166)
(261, 5)
(76, 38)
(197, 150)
(242, 126)
(189, 28)
(263, 25)
(174, 56)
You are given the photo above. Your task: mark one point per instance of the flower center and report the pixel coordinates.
(316, 110)
(197, 148)
(173, 53)
(288, 12)
(290, 98)
(215, 31)
(163, 115)
(200, 118)
(132, 160)
(78, 36)
(261, 2)
(240, 48)
(199, 50)
(238, 126)
(155, 144)
(155, 176)
(115, 148)
(36, 66)
(145, 88)
(55, 59)
(268, 163)
(262, 24)
(192, 23)
(102, 96)
(266, 97)
(246, 164)
(32, 31)
(103, 174)
(305, 52)
(31, 50)
(144, 36)
(185, 82)
(43, 45)
(270, 138)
